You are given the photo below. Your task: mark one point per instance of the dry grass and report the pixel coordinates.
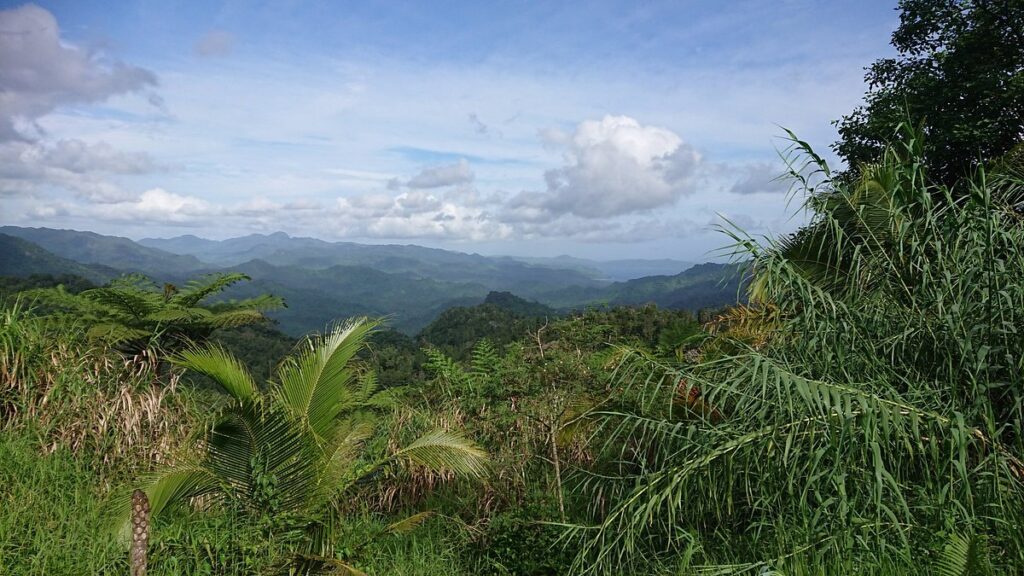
(122, 415)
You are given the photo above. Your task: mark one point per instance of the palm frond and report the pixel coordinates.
(198, 290)
(964, 555)
(408, 524)
(314, 385)
(172, 487)
(445, 451)
(223, 368)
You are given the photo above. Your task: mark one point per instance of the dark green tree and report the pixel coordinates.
(960, 67)
(134, 314)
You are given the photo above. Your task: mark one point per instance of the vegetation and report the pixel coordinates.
(133, 314)
(874, 425)
(288, 455)
(855, 407)
(960, 69)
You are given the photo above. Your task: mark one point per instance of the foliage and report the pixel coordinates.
(457, 330)
(71, 395)
(11, 285)
(133, 314)
(288, 455)
(515, 542)
(960, 67)
(884, 407)
(46, 504)
(260, 347)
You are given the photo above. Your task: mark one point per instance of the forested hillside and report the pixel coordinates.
(324, 281)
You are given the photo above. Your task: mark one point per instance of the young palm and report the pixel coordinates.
(292, 451)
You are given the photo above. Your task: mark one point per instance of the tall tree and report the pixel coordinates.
(960, 67)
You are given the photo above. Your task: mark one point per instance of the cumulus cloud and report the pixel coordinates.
(215, 43)
(613, 166)
(39, 72)
(440, 176)
(758, 178)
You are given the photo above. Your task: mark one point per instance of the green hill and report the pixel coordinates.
(707, 285)
(111, 251)
(502, 318)
(21, 258)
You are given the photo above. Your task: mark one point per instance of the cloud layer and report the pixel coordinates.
(383, 149)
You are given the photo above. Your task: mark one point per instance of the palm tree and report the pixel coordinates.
(293, 451)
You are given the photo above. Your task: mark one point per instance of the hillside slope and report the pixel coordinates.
(22, 258)
(112, 251)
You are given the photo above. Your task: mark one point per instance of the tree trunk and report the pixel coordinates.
(140, 532)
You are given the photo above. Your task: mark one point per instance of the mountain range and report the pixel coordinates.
(410, 284)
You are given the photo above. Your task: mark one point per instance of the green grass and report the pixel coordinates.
(51, 520)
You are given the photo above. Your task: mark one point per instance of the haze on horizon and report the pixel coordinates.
(612, 131)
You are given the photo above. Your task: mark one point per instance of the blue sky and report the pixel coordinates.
(606, 129)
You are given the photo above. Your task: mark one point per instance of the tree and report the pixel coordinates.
(960, 67)
(132, 313)
(291, 453)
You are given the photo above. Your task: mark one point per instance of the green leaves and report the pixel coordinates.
(132, 313)
(317, 383)
(222, 368)
(882, 405)
(290, 451)
(965, 555)
(442, 450)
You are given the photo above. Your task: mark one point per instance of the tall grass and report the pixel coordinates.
(71, 394)
(877, 419)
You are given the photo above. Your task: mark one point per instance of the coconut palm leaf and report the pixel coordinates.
(316, 384)
(443, 450)
(221, 367)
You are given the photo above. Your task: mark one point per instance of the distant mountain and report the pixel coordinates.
(22, 258)
(316, 297)
(707, 285)
(613, 270)
(111, 251)
(279, 249)
(411, 285)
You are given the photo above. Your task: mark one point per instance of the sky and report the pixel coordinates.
(596, 129)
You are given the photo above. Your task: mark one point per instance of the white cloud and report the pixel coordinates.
(159, 205)
(613, 166)
(39, 72)
(440, 176)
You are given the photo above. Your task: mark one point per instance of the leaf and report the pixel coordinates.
(442, 450)
(221, 367)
